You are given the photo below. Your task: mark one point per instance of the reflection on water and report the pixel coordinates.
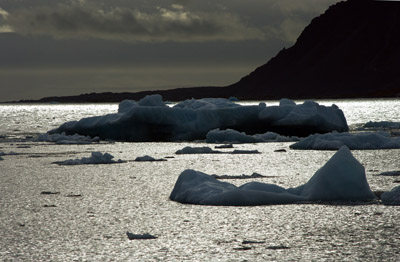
(112, 199)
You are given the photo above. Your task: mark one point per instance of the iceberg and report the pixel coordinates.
(342, 178)
(95, 158)
(235, 137)
(360, 141)
(150, 119)
(391, 198)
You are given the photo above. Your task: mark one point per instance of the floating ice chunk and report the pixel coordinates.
(332, 141)
(145, 236)
(147, 158)
(196, 150)
(391, 198)
(382, 125)
(63, 139)
(208, 150)
(235, 137)
(151, 120)
(389, 173)
(342, 178)
(96, 158)
(1, 158)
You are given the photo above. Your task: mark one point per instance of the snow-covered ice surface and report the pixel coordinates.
(98, 204)
(364, 140)
(150, 119)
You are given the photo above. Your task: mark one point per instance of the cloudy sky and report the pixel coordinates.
(69, 47)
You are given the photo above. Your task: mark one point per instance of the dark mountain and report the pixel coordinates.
(352, 50)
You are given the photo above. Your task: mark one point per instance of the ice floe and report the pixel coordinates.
(333, 141)
(145, 236)
(63, 139)
(235, 137)
(342, 178)
(151, 119)
(147, 158)
(95, 158)
(207, 150)
(382, 125)
(391, 198)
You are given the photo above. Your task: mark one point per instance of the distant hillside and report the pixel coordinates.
(350, 51)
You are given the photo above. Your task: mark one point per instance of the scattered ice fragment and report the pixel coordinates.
(151, 120)
(391, 198)
(63, 139)
(342, 178)
(389, 173)
(224, 146)
(208, 150)
(196, 150)
(243, 176)
(333, 141)
(96, 158)
(139, 236)
(382, 125)
(147, 158)
(1, 158)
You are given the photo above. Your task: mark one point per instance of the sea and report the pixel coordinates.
(51, 212)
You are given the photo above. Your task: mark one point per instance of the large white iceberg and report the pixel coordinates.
(151, 119)
(333, 141)
(235, 137)
(342, 178)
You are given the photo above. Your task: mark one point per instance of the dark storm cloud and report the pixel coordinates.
(82, 20)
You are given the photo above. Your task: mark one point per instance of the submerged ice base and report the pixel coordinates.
(342, 178)
(151, 119)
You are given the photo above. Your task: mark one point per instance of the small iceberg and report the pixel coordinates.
(342, 178)
(96, 158)
(360, 141)
(147, 158)
(145, 236)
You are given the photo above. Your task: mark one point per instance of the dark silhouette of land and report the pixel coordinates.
(350, 51)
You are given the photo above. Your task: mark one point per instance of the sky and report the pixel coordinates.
(71, 47)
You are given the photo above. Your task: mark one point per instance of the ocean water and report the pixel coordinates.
(93, 206)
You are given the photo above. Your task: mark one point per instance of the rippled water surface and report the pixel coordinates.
(94, 205)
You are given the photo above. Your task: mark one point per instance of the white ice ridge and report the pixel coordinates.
(63, 139)
(333, 141)
(95, 158)
(391, 198)
(342, 178)
(236, 137)
(151, 119)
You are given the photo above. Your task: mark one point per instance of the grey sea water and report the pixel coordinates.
(82, 213)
